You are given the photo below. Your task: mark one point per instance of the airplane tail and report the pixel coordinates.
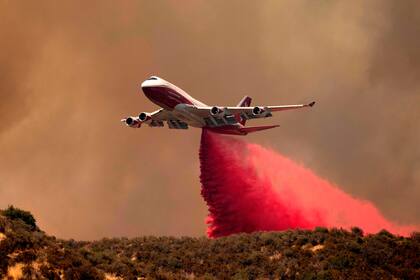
(245, 102)
(251, 129)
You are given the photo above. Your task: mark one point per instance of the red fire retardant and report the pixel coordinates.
(250, 188)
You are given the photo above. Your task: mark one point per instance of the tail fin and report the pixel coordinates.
(245, 102)
(250, 129)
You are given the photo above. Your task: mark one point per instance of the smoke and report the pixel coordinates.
(70, 70)
(249, 188)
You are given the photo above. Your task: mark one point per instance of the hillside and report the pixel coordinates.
(29, 253)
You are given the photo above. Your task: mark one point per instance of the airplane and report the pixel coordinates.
(179, 110)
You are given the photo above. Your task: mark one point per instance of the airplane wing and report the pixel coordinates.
(206, 115)
(161, 115)
(236, 110)
(247, 112)
(219, 116)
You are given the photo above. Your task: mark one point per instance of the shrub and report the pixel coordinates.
(357, 231)
(415, 236)
(321, 229)
(18, 214)
(385, 233)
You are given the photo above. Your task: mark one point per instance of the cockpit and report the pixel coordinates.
(152, 78)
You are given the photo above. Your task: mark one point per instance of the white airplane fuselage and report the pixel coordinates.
(172, 98)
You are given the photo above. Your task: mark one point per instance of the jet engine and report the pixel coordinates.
(257, 111)
(144, 117)
(260, 112)
(218, 111)
(132, 122)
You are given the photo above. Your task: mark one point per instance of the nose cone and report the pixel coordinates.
(145, 84)
(152, 82)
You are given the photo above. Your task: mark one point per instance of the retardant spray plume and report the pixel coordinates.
(250, 188)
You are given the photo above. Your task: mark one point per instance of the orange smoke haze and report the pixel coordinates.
(70, 70)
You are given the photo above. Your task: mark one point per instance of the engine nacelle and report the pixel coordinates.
(218, 111)
(257, 111)
(261, 112)
(144, 116)
(132, 122)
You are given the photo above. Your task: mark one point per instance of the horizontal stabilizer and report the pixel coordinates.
(250, 129)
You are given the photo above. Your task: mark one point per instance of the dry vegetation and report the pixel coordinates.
(28, 253)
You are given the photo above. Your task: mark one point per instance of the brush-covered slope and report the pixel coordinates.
(27, 252)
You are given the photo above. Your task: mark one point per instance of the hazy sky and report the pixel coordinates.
(70, 70)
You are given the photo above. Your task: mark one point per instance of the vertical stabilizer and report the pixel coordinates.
(245, 102)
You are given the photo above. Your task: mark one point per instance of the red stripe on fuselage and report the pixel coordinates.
(165, 97)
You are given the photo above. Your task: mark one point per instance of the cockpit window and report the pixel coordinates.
(152, 78)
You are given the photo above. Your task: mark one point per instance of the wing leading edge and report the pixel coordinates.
(246, 112)
(235, 110)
